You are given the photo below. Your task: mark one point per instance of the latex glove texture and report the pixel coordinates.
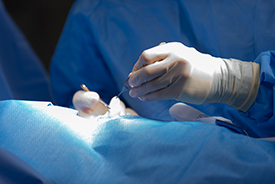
(175, 71)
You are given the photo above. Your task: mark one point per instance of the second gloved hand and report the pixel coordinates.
(174, 71)
(90, 106)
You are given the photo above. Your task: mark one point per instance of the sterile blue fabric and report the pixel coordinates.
(66, 148)
(102, 40)
(14, 170)
(22, 75)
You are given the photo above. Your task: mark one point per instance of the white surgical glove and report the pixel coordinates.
(183, 112)
(174, 71)
(90, 106)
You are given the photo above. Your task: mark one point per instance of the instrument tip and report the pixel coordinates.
(84, 87)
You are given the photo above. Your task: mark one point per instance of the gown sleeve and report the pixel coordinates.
(263, 108)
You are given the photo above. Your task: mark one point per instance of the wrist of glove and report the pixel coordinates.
(235, 83)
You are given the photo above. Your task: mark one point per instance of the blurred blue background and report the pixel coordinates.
(41, 22)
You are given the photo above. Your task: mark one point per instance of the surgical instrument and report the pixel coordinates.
(125, 87)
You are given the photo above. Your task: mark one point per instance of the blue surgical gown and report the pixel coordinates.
(102, 40)
(22, 75)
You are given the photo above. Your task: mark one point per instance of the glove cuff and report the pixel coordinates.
(254, 88)
(236, 84)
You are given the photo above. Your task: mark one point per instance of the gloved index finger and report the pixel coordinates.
(150, 56)
(147, 73)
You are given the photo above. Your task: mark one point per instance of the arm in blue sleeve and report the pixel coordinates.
(263, 108)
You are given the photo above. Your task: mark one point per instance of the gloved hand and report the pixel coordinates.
(90, 106)
(182, 112)
(174, 71)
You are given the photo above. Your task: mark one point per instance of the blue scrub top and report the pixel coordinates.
(102, 40)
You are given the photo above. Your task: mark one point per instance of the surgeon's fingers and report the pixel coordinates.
(88, 102)
(173, 74)
(85, 101)
(147, 58)
(147, 73)
(162, 94)
(171, 91)
(173, 79)
(150, 56)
